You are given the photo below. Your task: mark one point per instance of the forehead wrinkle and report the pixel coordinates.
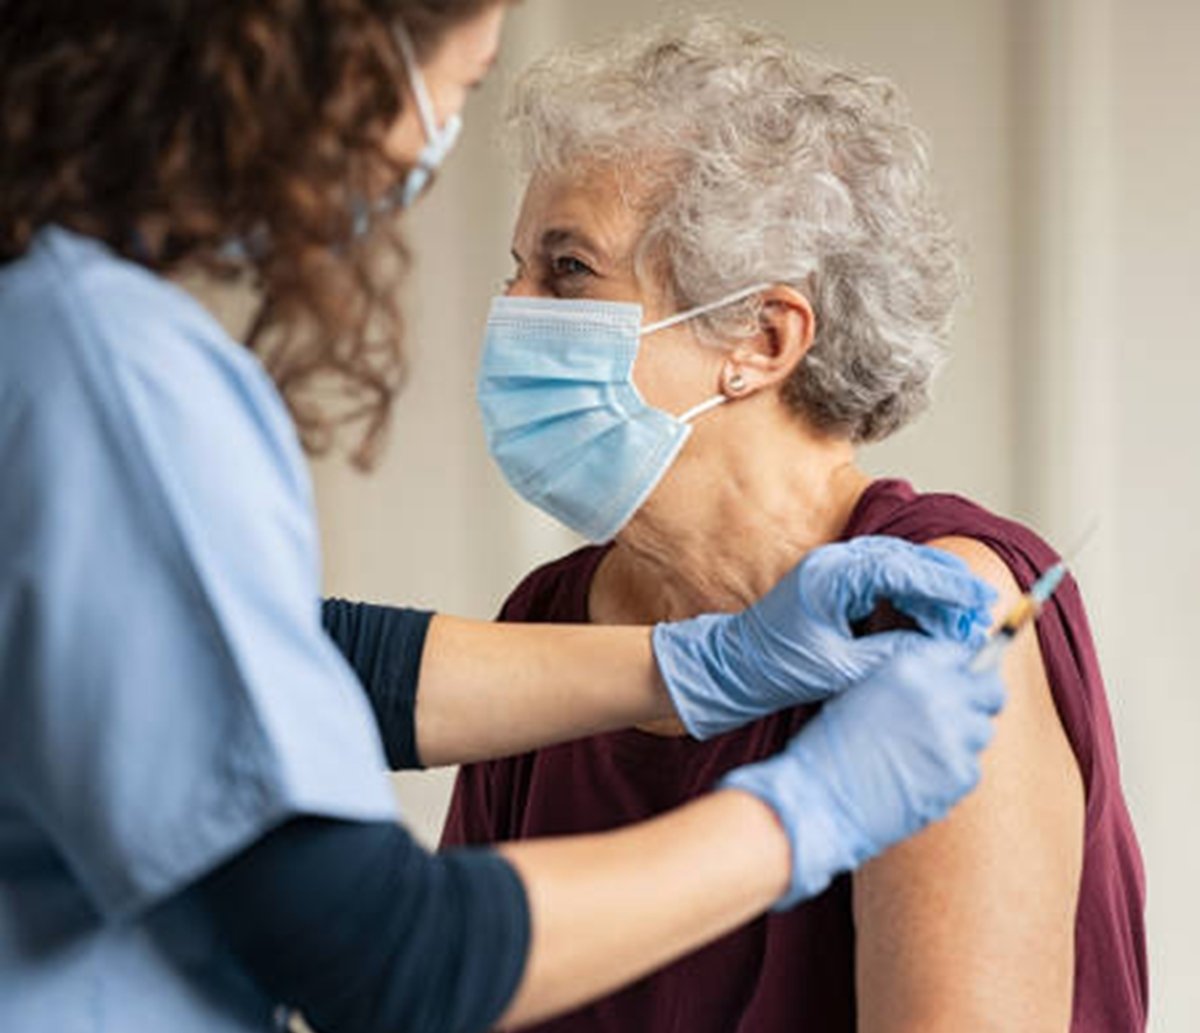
(583, 208)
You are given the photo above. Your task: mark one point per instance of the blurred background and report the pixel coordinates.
(1066, 137)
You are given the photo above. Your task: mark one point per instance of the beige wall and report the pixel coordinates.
(1155, 551)
(1067, 139)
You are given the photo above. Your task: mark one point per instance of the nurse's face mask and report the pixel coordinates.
(563, 418)
(439, 142)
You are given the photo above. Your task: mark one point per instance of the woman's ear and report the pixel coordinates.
(766, 360)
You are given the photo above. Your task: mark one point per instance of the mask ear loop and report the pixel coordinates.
(699, 410)
(731, 299)
(416, 82)
(703, 310)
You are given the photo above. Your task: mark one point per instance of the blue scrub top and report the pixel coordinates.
(167, 693)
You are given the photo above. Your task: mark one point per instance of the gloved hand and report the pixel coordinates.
(795, 645)
(878, 763)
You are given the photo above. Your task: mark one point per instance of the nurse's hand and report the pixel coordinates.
(878, 764)
(796, 645)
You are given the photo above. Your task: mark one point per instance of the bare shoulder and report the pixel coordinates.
(984, 562)
(970, 925)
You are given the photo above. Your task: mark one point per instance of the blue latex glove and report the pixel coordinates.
(879, 763)
(795, 645)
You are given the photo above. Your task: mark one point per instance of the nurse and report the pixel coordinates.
(196, 833)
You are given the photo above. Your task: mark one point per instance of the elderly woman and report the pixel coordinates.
(790, 202)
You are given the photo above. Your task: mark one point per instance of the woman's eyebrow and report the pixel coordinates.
(557, 237)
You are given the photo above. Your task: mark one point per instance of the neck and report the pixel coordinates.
(737, 511)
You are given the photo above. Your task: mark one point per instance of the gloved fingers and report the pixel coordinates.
(985, 689)
(865, 656)
(916, 577)
(988, 692)
(945, 620)
(980, 730)
(934, 587)
(946, 665)
(970, 775)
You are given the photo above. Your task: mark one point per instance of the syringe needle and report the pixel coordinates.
(1027, 609)
(1081, 542)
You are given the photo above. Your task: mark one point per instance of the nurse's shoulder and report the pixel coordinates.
(103, 346)
(169, 692)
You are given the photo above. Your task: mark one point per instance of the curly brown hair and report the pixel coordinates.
(168, 128)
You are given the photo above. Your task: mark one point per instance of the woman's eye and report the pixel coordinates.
(567, 266)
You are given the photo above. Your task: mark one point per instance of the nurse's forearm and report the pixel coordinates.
(364, 932)
(491, 690)
(608, 909)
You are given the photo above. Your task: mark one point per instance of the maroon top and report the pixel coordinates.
(794, 972)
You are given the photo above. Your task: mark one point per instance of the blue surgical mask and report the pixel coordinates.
(562, 416)
(439, 140)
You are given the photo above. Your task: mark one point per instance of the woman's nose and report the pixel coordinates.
(523, 287)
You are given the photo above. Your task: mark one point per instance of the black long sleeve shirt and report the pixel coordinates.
(384, 645)
(355, 925)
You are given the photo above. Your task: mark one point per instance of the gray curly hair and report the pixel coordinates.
(768, 165)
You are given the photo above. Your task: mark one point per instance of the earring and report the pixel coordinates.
(737, 383)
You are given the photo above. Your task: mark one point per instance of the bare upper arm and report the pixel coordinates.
(970, 925)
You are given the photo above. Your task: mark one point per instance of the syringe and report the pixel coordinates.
(1025, 612)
